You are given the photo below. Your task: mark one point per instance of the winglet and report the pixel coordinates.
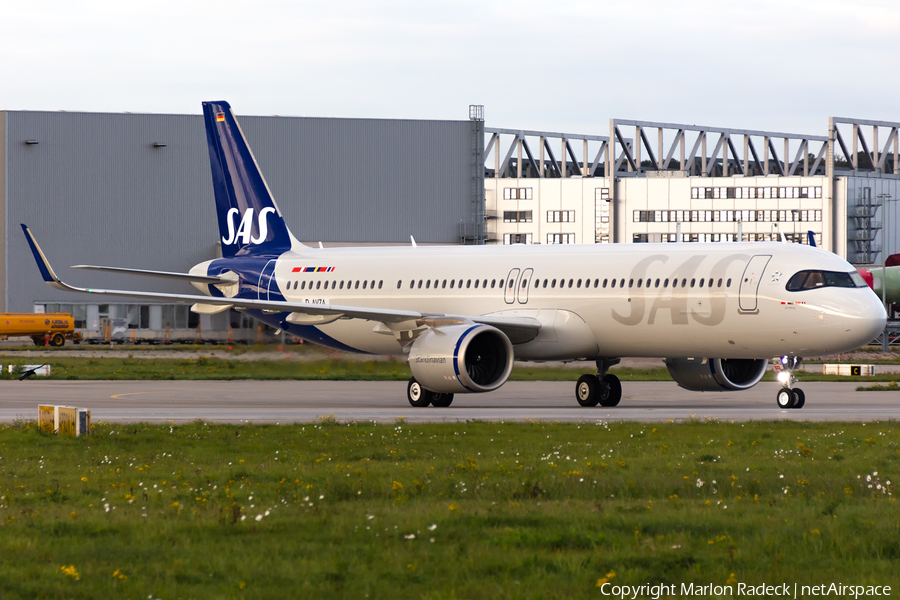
(42, 262)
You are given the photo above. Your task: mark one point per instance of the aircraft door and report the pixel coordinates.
(524, 285)
(750, 282)
(509, 291)
(266, 280)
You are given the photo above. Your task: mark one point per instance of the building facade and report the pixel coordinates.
(135, 190)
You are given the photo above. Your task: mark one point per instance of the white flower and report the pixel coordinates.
(321, 496)
(370, 517)
(432, 527)
(410, 536)
(259, 517)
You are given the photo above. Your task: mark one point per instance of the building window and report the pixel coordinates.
(560, 216)
(516, 238)
(560, 238)
(517, 216)
(601, 194)
(517, 193)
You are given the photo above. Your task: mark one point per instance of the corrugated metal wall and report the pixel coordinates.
(95, 190)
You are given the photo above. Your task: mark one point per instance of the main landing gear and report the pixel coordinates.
(788, 396)
(602, 388)
(419, 397)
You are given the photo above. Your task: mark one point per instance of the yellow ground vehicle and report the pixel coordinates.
(42, 328)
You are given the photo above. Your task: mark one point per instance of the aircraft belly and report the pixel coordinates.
(360, 335)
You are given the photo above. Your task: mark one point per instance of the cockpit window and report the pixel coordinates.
(810, 280)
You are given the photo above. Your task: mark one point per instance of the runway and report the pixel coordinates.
(307, 401)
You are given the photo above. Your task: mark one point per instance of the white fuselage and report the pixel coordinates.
(723, 300)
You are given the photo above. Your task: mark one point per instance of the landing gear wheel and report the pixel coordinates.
(612, 391)
(418, 396)
(799, 398)
(587, 390)
(441, 400)
(785, 398)
(57, 340)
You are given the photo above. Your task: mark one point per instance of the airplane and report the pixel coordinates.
(717, 312)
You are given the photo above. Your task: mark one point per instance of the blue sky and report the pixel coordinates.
(567, 66)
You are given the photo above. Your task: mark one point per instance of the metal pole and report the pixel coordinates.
(884, 234)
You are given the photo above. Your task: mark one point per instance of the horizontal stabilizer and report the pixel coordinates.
(164, 274)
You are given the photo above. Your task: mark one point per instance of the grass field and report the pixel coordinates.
(134, 367)
(471, 510)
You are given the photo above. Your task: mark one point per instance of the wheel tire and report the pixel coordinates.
(587, 390)
(441, 400)
(57, 340)
(784, 398)
(418, 396)
(799, 398)
(614, 391)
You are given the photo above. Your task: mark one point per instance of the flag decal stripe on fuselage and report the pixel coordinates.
(312, 270)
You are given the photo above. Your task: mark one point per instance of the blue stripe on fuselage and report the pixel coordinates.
(305, 332)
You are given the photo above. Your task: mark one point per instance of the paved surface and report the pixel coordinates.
(291, 401)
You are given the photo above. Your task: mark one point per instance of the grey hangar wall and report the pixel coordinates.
(134, 190)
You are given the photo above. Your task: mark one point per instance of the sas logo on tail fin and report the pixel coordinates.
(244, 231)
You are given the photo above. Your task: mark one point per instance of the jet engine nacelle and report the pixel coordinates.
(461, 359)
(716, 374)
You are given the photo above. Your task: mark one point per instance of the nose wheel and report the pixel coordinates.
(788, 396)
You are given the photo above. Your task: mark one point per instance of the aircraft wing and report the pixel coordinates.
(301, 312)
(163, 274)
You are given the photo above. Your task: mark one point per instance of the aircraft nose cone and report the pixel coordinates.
(870, 320)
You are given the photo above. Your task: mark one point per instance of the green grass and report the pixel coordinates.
(890, 387)
(133, 367)
(472, 510)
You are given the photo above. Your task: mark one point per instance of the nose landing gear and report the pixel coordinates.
(788, 396)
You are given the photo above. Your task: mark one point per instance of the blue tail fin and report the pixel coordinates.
(249, 219)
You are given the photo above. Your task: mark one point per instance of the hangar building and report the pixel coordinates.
(666, 182)
(135, 190)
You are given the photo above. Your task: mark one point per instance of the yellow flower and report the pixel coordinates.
(73, 515)
(453, 506)
(397, 486)
(731, 580)
(119, 575)
(70, 571)
(242, 585)
(606, 579)
(84, 479)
